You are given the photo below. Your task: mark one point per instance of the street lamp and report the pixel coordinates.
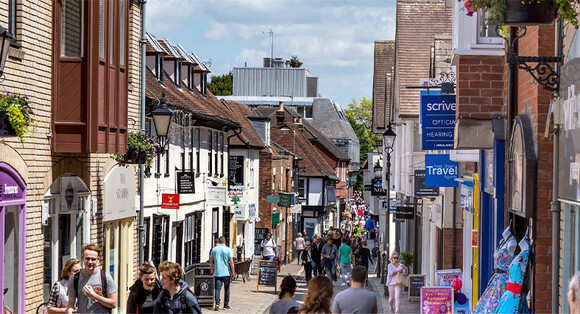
(378, 169)
(162, 120)
(5, 41)
(388, 143)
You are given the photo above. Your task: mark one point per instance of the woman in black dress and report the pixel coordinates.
(365, 256)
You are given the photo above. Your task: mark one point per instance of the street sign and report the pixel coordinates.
(420, 188)
(437, 121)
(440, 171)
(170, 201)
(377, 188)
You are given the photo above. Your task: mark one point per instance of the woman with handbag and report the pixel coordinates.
(307, 262)
(395, 279)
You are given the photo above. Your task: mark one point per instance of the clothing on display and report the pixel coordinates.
(513, 300)
(503, 256)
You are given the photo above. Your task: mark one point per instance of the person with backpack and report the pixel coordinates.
(93, 288)
(222, 268)
(176, 296)
(268, 248)
(144, 291)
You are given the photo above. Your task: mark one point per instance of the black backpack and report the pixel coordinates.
(103, 283)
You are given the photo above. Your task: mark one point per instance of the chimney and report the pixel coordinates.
(280, 114)
(299, 123)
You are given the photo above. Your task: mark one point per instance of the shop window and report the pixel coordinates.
(160, 238)
(215, 224)
(570, 250)
(12, 259)
(72, 29)
(192, 240)
(226, 224)
(178, 226)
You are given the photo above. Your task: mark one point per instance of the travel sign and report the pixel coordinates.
(440, 171)
(437, 121)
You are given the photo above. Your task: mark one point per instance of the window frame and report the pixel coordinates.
(485, 40)
(210, 152)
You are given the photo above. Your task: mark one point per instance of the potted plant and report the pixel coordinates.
(407, 259)
(141, 148)
(524, 12)
(15, 115)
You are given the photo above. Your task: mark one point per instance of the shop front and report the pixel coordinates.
(120, 190)
(66, 221)
(569, 171)
(12, 249)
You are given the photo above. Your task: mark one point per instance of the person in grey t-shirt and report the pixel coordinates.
(286, 302)
(90, 285)
(356, 299)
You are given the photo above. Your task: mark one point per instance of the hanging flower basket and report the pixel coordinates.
(141, 149)
(15, 115)
(523, 13)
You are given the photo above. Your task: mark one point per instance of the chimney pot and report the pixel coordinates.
(280, 106)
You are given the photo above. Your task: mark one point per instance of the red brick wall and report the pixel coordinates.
(448, 248)
(480, 86)
(534, 100)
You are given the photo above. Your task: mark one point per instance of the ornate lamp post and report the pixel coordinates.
(388, 143)
(162, 120)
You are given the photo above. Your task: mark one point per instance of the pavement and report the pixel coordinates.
(245, 299)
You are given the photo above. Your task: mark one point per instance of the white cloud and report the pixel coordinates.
(334, 38)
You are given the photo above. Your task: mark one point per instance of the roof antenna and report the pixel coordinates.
(271, 34)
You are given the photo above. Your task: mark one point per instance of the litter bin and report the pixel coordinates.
(203, 284)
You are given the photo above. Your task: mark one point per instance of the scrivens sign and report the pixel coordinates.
(437, 121)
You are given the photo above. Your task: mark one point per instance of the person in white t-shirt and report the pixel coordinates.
(268, 247)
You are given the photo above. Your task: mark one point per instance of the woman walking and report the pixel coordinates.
(58, 299)
(307, 262)
(394, 289)
(299, 246)
(144, 291)
(286, 302)
(365, 256)
(318, 296)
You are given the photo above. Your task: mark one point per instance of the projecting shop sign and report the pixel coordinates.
(440, 171)
(437, 121)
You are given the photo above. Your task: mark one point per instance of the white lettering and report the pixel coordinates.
(10, 189)
(575, 170)
(440, 106)
(571, 109)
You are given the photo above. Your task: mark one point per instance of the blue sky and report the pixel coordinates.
(333, 38)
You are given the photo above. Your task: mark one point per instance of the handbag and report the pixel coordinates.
(402, 279)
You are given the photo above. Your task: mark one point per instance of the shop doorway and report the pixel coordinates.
(66, 227)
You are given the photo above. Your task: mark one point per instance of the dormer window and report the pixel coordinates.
(203, 84)
(185, 74)
(177, 73)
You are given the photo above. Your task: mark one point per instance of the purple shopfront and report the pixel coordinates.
(13, 228)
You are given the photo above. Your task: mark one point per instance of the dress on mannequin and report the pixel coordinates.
(503, 256)
(511, 300)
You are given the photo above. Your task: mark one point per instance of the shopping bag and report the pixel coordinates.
(402, 280)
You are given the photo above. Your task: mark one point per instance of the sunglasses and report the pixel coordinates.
(395, 257)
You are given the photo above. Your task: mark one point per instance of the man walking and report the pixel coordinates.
(356, 299)
(94, 288)
(329, 258)
(222, 268)
(316, 254)
(370, 226)
(345, 258)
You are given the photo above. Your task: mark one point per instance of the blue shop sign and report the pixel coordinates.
(437, 121)
(440, 171)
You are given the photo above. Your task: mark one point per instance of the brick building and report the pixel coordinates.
(65, 160)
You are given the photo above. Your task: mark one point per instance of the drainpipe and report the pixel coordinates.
(511, 111)
(141, 227)
(555, 208)
(454, 252)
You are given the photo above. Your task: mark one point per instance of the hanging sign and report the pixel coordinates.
(251, 211)
(239, 212)
(405, 212)
(437, 121)
(420, 188)
(440, 171)
(185, 182)
(286, 200)
(436, 300)
(273, 199)
(236, 171)
(377, 188)
(170, 201)
(119, 195)
(275, 218)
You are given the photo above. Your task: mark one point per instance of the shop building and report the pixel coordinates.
(58, 172)
(186, 206)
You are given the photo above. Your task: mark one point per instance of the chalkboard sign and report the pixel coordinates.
(415, 284)
(267, 274)
(259, 235)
